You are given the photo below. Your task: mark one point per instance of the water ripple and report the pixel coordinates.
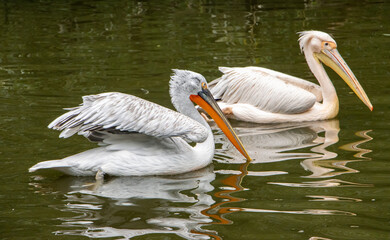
(323, 183)
(306, 211)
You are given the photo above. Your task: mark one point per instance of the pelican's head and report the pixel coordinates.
(187, 82)
(324, 49)
(194, 86)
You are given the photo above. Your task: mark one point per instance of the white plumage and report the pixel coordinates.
(138, 137)
(127, 113)
(239, 85)
(261, 95)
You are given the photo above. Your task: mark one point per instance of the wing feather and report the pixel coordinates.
(127, 113)
(266, 89)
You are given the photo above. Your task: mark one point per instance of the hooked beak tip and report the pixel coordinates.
(333, 59)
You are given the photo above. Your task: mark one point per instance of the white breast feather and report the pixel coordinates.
(127, 113)
(265, 89)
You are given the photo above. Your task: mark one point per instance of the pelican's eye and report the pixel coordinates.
(328, 45)
(204, 85)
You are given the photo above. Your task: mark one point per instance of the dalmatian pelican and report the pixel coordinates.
(138, 137)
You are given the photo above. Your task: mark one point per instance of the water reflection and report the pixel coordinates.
(326, 166)
(133, 206)
(275, 143)
(232, 184)
(305, 211)
(291, 141)
(323, 184)
(189, 205)
(312, 144)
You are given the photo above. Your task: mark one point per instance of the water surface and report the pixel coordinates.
(315, 180)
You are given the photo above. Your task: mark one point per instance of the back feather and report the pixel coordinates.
(265, 89)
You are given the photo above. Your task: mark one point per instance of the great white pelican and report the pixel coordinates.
(261, 95)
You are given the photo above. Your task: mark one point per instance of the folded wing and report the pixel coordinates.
(123, 113)
(265, 89)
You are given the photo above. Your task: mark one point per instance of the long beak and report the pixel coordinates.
(206, 101)
(333, 59)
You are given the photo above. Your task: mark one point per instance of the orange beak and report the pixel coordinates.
(206, 101)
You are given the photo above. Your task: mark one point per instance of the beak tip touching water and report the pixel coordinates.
(206, 101)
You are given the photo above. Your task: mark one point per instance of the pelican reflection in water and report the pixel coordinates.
(187, 205)
(261, 95)
(290, 141)
(140, 137)
(127, 207)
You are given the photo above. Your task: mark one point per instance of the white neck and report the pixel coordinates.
(204, 151)
(328, 91)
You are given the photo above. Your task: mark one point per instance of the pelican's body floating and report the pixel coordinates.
(260, 95)
(141, 137)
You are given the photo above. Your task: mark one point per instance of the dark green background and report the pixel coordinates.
(308, 181)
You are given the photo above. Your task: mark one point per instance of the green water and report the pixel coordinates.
(322, 180)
